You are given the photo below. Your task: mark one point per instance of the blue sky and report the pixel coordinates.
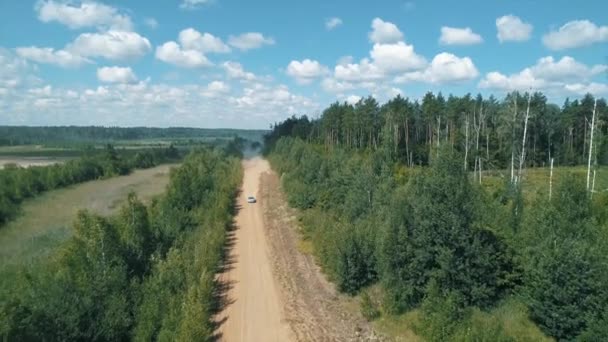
(247, 64)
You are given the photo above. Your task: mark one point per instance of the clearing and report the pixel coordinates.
(46, 220)
(275, 292)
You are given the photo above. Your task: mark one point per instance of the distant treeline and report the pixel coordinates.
(145, 274)
(18, 184)
(432, 240)
(23, 135)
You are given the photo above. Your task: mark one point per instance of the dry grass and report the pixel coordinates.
(46, 220)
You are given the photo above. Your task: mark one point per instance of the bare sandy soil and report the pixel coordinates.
(45, 220)
(253, 308)
(274, 292)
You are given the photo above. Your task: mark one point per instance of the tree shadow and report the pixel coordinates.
(222, 287)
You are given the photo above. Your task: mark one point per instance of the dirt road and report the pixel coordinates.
(253, 308)
(275, 292)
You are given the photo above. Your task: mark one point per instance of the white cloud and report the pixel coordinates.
(235, 70)
(396, 57)
(116, 75)
(306, 71)
(574, 34)
(459, 36)
(87, 14)
(596, 89)
(161, 105)
(566, 69)
(523, 81)
(216, 88)
(170, 52)
(352, 99)
(384, 32)
(332, 85)
(445, 68)
(332, 23)
(564, 76)
(258, 97)
(250, 40)
(151, 23)
(113, 45)
(193, 4)
(191, 39)
(16, 72)
(358, 72)
(42, 91)
(62, 58)
(512, 29)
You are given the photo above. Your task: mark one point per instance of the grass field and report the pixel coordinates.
(46, 220)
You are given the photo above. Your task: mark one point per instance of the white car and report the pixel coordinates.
(251, 199)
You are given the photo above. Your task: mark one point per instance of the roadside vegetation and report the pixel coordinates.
(146, 273)
(435, 215)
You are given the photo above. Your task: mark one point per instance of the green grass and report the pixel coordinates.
(536, 180)
(510, 316)
(46, 220)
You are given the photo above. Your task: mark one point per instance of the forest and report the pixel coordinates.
(146, 273)
(18, 184)
(392, 198)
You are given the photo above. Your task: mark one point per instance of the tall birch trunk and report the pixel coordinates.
(591, 143)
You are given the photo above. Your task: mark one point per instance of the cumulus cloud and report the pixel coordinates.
(86, 14)
(113, 45)
(61, 58)
(574, 34)
(459, 36)
(216, 88)
(116, 74)
(332, 85)
(191, 39)
(396, 57)
(193, 4)
(445, 68)
(512, 29)
(170, 52)
(306, 71)
(386, 60)
(384, 32)
(562, 76)
(235, 70)
(389, 57)
(249, 41)
(332, 23)
(566, 69)
(364, 71)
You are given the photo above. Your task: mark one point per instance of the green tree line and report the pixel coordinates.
(18, 184)
(147, 273)
(487, 131)
(434, 240)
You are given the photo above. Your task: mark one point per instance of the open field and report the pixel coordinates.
(46, 220)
